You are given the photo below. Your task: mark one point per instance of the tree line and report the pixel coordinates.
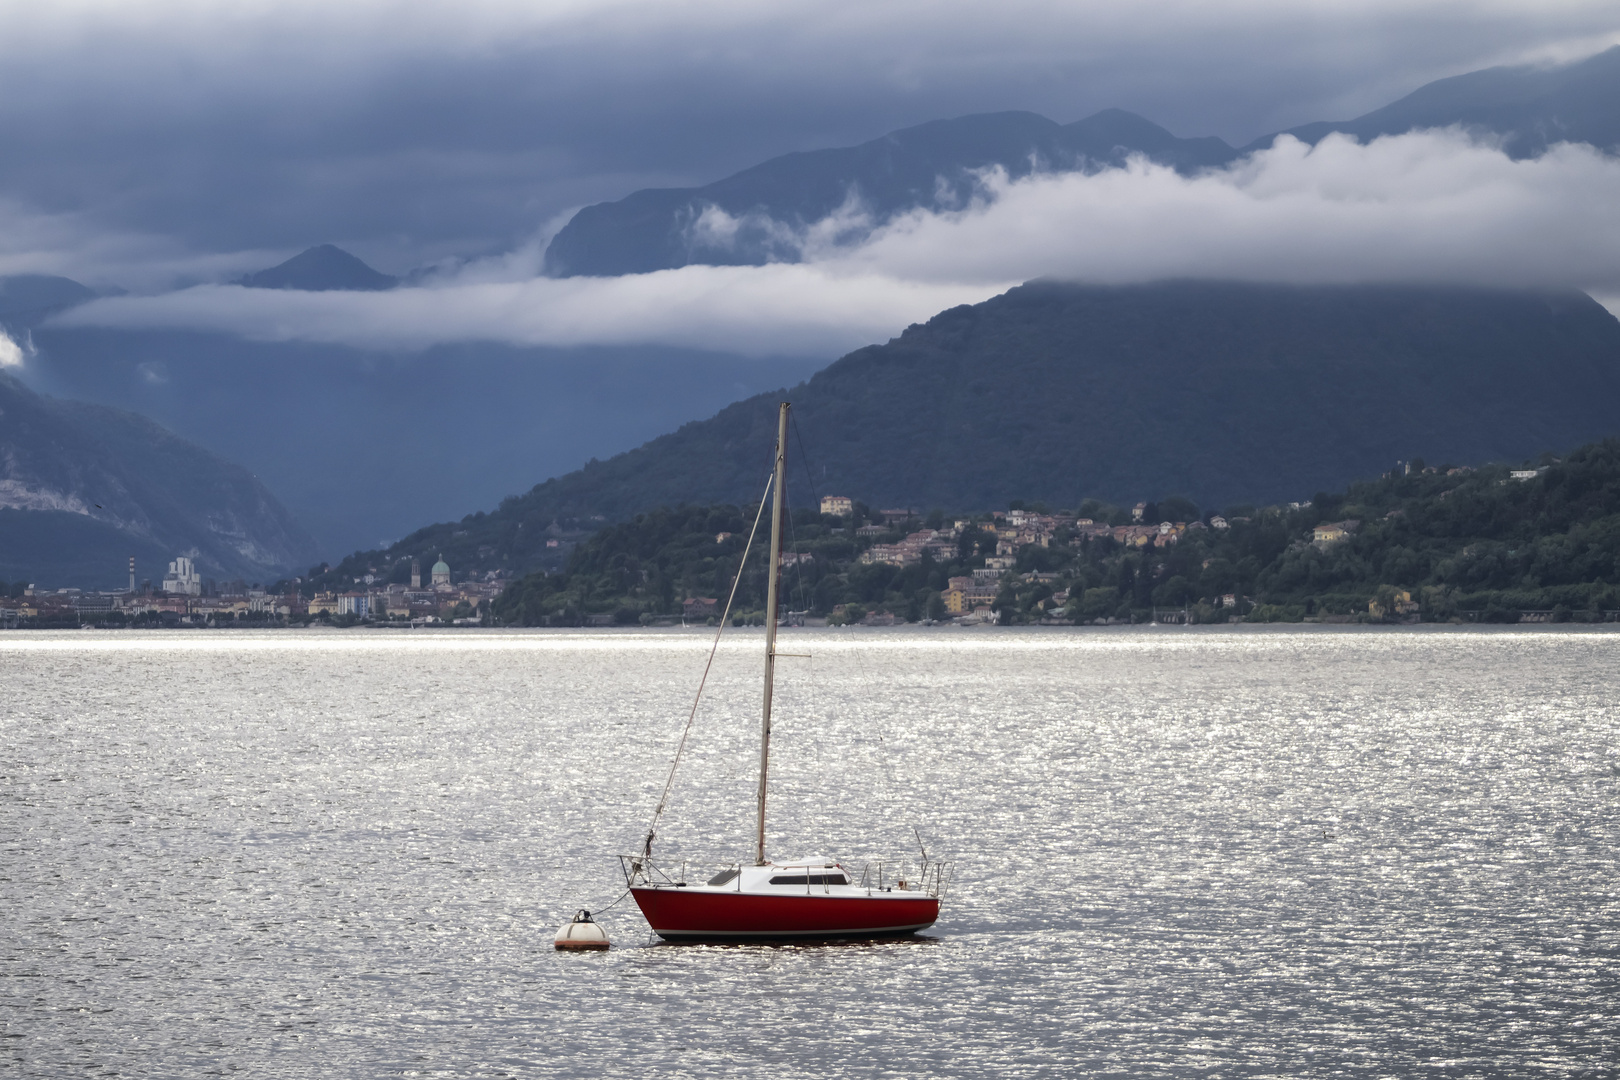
(1435, 543)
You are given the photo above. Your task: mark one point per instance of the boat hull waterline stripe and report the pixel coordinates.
(774, 935)
(680, 912)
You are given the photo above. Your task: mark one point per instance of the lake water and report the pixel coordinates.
(1179, 851)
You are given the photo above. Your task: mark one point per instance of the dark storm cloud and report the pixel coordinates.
(173, 142)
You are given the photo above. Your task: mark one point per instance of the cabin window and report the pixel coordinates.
(810, 879)
(723, 877)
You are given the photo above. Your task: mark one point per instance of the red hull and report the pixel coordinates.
(680, 914)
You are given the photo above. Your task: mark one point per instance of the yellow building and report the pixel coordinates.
(964, 594)
(838, 505)
(1401, 601)
(1331, 532)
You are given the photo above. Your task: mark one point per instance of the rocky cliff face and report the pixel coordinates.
(84, 487)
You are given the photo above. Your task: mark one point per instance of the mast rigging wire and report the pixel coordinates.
(804, 456)
(680, 748)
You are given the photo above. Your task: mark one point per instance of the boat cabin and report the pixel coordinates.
(801, 875)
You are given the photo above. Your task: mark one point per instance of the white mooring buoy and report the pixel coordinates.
(581, 932)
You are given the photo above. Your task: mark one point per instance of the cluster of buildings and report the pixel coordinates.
(183, 592)
(436, 601)
(971, 596)
(1164, 534)
(194, 601)
(1013, 530)
(935, 542)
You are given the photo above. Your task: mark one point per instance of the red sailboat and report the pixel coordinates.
(800, 899)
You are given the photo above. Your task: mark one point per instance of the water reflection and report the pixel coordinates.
(1241, 852)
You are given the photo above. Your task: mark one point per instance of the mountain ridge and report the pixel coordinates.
(83, 487)
(1530, 107)
(1221, 392)
(763, 213)
(323, 268)
(26, 300)
(662, 228)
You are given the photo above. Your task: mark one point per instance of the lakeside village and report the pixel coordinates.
(1459, 544)
(1420, 544)
(185, 598)
(972, 598)
(989, 593)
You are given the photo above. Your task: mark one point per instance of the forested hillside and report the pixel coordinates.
(1217, 391)
(1059, 393)
(1438, 543)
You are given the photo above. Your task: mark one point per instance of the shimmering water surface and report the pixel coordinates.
(1223, 852)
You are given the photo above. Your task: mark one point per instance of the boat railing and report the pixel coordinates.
(936, 879)
(930, 878)
(641, 871)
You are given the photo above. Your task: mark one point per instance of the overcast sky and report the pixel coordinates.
(157, 145)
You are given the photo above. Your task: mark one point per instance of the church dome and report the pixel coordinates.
(441, 567)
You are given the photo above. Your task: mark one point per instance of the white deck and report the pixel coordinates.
(816, 876)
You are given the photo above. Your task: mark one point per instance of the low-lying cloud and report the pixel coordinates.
(1432, 207)
(781, 309)
(1429, 206)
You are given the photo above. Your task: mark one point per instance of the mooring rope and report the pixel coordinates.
(609, 907)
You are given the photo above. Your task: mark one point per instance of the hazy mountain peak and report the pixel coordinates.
(320, 269)
(26, 300)
(1530, 107)
(938, 162)
(83, 487)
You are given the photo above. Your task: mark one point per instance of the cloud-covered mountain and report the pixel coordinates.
(771, 212)
(162, 142)
(1223, 392)
(439, 395)
(803, 206)
(1529, 108)
(26, 300)
(321, 269)
(84, 487)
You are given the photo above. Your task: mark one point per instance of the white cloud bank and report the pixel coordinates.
(1430, 206)
(11, 354)
(748, 310)
(1425, 207)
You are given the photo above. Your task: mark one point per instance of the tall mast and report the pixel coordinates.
(774, 578)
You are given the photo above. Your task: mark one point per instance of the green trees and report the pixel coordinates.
(1459, 544)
